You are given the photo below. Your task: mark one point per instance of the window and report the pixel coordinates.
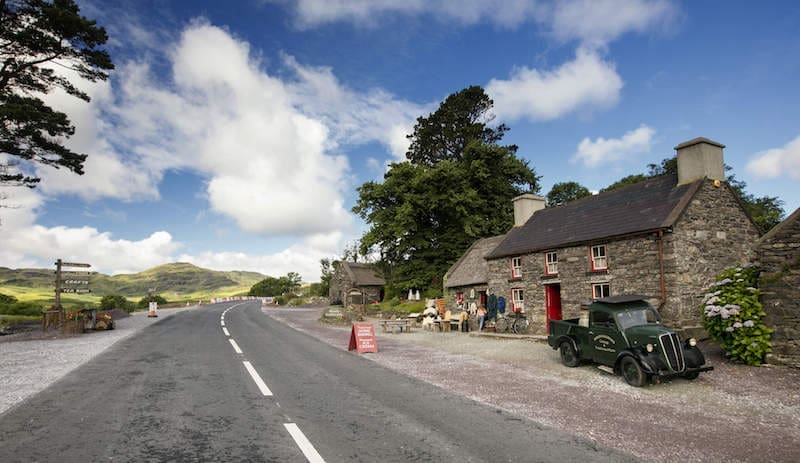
(516, 267)
(517, 300)
(599, 260)
(600, 290)
(551, 263)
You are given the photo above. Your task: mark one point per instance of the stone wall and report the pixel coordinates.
(632, 269)
(713, 233)
(779, 259)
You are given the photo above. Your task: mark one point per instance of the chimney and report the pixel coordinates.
(700, 158)
(524, 207)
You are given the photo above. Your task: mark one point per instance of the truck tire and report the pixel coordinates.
(568, 355)
(692, 376)
(632, 372)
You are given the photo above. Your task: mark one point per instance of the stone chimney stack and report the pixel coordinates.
(524, 207)
(700, 158)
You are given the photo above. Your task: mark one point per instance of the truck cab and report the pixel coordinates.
(626, 334)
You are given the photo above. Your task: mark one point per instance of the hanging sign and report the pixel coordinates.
(362, 338)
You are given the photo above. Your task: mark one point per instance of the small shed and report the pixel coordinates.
(354, 283)
(467, 281)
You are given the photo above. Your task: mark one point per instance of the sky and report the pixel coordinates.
(234, 135)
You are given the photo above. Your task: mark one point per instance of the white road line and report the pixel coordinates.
(305, 446)
(225, 330)
(259, 382)
(235, 346)
(222, 322)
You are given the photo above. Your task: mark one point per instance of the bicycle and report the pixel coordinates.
(513, 322)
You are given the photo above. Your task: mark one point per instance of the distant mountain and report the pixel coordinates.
(177, 278)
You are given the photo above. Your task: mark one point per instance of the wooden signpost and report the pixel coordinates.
(71, 281)
(362, 338)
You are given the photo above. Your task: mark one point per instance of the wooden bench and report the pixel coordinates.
(392, 325)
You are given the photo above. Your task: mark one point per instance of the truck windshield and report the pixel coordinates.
(637, 317)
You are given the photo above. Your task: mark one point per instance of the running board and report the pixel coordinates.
(608, 370)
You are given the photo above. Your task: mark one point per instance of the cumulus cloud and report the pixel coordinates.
(585, 82)
(593, 153)
(777, 162)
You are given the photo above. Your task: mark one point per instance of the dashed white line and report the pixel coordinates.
(225, 330)
(305, 445)
(259, 382)
(235, 346)
(222, 322)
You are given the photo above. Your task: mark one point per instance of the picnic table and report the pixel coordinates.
(401, 325)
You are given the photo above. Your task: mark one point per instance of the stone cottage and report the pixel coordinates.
(355, 283)
(665, 237)
(779, 259)
(467, 281)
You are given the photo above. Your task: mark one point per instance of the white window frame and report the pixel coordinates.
(517, 300)
(599, 260)
(551, 264)
(516, 267)
(598, 287)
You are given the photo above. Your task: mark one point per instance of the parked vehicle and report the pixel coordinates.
(625, 334)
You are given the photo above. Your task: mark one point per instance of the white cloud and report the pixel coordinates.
(602, 150)
(597, 22)
(592, 22)
(777, 162)
(587, 82)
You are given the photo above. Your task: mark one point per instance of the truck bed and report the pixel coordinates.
(569, 327)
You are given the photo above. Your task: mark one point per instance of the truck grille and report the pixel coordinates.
(673, 352)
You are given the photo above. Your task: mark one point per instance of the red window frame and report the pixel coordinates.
(604, 257)
(547, 263)
(518, 306)
(516, 270)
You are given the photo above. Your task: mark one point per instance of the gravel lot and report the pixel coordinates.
(734, 413)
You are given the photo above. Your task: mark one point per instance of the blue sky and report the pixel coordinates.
(233, 135)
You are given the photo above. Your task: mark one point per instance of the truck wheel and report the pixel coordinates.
(632, 372)
(692, 376)
(568, 355)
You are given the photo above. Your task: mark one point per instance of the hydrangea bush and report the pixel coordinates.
(733, 315)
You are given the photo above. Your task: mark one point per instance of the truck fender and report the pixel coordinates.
(640, 357)
(693, 356)
(568, 339)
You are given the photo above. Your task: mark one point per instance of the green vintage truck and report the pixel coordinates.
(624, 334)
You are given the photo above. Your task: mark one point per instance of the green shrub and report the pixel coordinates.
(733, 315)
(28, 308)
(6, 299)
(144, 303)
(115, 301)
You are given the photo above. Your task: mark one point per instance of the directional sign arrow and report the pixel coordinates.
(75, 282)
(76, 273)
(76, 290)
(73, 264)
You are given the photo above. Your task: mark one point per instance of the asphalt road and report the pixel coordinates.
(182, 391)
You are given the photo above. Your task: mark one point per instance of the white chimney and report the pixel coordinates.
(700, 158)
(524, 207)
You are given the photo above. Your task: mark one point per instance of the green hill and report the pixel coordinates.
(178, 281)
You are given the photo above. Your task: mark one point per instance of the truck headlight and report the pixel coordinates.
(650, 347)
(692, 342)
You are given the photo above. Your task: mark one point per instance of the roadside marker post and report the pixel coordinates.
(153, 309)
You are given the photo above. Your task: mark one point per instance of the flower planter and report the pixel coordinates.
(72, 326)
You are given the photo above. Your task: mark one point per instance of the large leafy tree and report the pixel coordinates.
(766, 211)
(457, 186)
(564, 192)
(39, 39)
(271, 286)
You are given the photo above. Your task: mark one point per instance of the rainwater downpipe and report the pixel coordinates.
(661, 268)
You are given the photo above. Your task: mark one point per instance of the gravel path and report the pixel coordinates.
(29, 366)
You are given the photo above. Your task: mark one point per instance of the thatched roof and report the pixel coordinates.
(471, 268)
(362, 274)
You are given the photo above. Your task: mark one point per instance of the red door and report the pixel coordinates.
(552, 302)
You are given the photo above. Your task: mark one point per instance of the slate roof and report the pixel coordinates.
(363, 274)
(650, 205)
(471, 268)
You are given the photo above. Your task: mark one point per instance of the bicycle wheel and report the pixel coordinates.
(521, 325)
(501, 325)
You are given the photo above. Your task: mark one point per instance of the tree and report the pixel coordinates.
(564, 192)
(326, 275)
(271, 286)
(145, 301)
(37, 39)
(115, 301)
(766, 211)
(456, 187)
